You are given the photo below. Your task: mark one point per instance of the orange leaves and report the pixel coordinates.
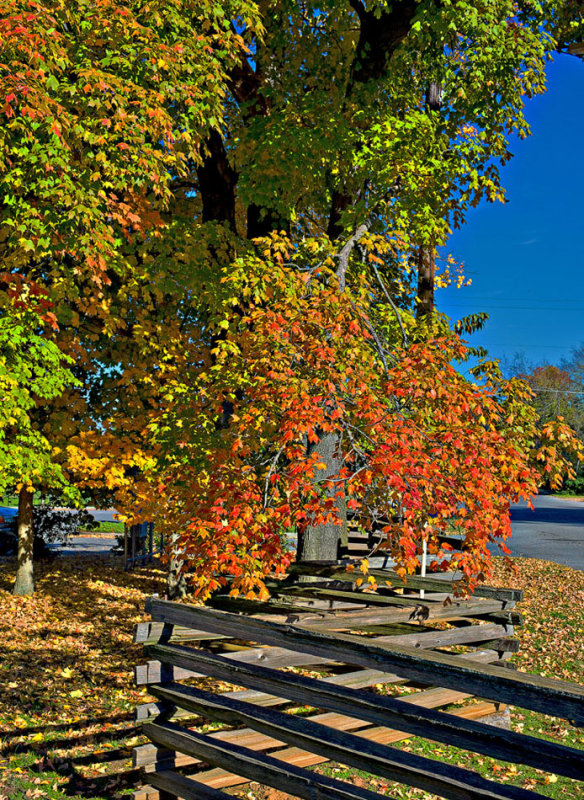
(421, 449)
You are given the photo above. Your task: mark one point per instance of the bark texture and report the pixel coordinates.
(323, 542)
(176, 583)
(427, 253)
(24, 583)
(426, 279)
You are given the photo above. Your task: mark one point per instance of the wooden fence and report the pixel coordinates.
(139, 545)
(445, 651)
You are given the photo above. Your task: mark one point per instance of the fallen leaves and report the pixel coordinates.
(67, 668)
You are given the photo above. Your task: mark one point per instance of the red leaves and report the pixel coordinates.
(420, 449)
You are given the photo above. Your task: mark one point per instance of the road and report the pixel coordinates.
(85, 545)
(553, 530)
(102, 515)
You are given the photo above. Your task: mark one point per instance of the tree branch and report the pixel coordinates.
(392, 304)
(379, 37)
(344, 254)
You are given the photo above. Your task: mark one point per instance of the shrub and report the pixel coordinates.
(574, 486)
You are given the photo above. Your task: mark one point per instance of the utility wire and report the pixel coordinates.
(553, 346)
(557, 391)
(515, 308)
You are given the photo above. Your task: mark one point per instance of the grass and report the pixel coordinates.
(111, 527)
(106, 527)
(66, 722)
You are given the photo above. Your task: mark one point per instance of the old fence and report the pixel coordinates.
(276, 721)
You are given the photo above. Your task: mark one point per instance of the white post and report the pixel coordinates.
(423, 572)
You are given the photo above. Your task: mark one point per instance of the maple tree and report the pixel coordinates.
(225, 202)
(420, 447)
(557, 391)
(32, 369)
(88, 151)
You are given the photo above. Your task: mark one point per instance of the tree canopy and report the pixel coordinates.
(234, 210)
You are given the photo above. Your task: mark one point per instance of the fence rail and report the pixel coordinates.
(354, 641)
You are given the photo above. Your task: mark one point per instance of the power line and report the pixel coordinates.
(517, 345)
(513, 299)
(516, 308)
(557, 391)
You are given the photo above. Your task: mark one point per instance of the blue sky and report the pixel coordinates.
(526, 257)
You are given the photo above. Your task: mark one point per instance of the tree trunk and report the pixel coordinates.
(176, 582)
(322, 542)
(24, 583)
(217, 181)
(427, 253)
(426, 277)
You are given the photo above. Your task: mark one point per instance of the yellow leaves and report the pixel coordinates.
(364, 566)
(66, 673)
(76, 693)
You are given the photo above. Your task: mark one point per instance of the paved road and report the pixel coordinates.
(553, 530)
(85, 545)
(101, 515)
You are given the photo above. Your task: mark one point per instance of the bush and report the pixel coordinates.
(573, 487)
(51, 526)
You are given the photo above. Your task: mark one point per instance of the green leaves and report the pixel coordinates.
(32, 370)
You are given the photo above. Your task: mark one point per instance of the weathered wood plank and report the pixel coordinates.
(512, 618)
(355, 680)
(527, 691)
(256, 766)
(386, 711)
(274, 772)
(445, 779)
(155, 758)
(336, 570)
(283, 657)
(152, 632)
(507, 644)
(268, 608)
(351, 620)
(428, 698)
(365, 598)
(146, 792)
(187, 788)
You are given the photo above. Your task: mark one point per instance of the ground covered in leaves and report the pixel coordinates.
(66, 716)
(66, 721)
(552, 644)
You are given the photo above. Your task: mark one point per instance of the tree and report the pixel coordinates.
(88, 150)
(218, 188)
(557, 390)
(32, 370)
(557, 393)
(421, 446)
(329, 135)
